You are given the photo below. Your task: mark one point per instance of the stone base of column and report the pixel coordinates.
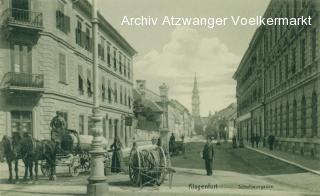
(97, 189)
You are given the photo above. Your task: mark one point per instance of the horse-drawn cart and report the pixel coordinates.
(72, 152)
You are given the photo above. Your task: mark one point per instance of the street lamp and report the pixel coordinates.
(96, 181)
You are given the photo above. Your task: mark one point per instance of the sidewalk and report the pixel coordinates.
(303, 162)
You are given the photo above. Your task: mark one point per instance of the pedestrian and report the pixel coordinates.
(172, 141)
(117, 158)
(252, 139)
(264, 141)
(257, 140)
(234, 142)
(208, 155)
(271, 141)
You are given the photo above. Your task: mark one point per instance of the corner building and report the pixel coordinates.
(46, 66)
(278, 81)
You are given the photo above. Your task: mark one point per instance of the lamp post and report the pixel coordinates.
(96, 181)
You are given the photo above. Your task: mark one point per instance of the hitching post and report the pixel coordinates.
(97, 181)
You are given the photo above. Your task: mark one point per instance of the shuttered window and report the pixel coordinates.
(62, 68)
(80, 80)
(89, 83)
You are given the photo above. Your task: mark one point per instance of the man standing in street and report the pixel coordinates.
(257, 140)
(207, 155)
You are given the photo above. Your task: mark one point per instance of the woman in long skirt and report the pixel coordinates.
(117, 158)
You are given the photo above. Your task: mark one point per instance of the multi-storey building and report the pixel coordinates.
(46, 66)
(278, 80)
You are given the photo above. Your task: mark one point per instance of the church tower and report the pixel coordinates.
(195, 99)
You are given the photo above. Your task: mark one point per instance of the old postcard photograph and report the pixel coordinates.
(160, 97)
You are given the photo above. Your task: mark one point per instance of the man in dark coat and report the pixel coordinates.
(257, 140)
(207, 155)
(58, 127)
(271, 139)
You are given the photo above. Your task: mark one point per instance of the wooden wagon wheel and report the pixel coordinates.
(163, 165)
(135, 167)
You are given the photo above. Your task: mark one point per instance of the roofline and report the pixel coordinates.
(85, 5)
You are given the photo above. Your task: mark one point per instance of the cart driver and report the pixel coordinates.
(58, 127)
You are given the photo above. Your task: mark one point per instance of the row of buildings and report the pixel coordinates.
(278, 81)
(46, 66)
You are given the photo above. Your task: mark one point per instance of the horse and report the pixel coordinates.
(35, 150)
(9, 150)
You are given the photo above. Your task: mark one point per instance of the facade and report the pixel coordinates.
(157, 112)
(46, 66)
(278, 81)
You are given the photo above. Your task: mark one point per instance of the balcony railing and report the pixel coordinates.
(12, 79)
(27, 18)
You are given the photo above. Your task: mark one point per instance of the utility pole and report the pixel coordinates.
(97, 181)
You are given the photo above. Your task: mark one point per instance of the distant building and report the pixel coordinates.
(278, 81)
(152, 115)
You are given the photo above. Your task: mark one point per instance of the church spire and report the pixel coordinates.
(195, 98)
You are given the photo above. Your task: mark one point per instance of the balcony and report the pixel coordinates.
(27, 82)
(19, 19)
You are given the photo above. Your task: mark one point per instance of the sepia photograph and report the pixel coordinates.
(159, 97)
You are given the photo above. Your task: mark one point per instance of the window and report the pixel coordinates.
(108, 55)
(89, 83)
(293, 57)
(314, 114)
(101, 48)
(125, 66)
(294, 117)
(103, 88)
(121, 95)
(287, 119)
(110, 129)
(129, 69)
(81, 124)
(281, 120)
(104, 127)
(80, 80)
(62, 68)
(302, 51)
(109, 92)
(125, 97)
(276, 121)
(87, 40)
(79, 33)
(21, 121)
(275, 76)
(62, 21)
(129, 99)
(303, 116)
(313, 44)
(120, 63)
(21, 58)
(115, 91)
(115, 59)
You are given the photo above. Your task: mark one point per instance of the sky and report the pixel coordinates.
(173, 54)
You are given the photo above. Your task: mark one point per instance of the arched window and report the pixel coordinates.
(294, 118)
(287, 119)
(314, 117)
(281, 121)
(303, 116)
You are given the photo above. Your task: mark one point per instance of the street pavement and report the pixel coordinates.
(235, 174)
